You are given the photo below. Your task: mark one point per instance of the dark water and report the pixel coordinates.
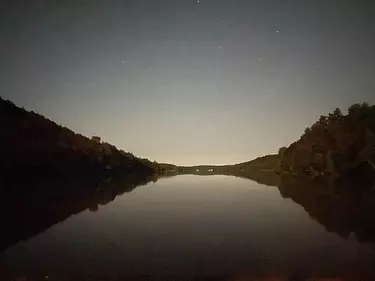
(206, 226)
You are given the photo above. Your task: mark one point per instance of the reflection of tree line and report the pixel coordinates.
(339, 206)
(27, 212)
(48, 172)
(262, 177)
(342, 206)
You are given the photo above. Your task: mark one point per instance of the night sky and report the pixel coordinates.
(187, 81)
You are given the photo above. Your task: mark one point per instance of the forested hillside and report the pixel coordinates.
(32, 146)
(335, 144)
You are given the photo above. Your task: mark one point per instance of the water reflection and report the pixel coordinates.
(263, 177)
(35, 206)
(341, 207)
(192, 227)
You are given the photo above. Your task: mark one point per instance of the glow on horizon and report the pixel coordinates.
(188, 82)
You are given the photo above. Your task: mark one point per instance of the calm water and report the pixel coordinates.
(192, 226)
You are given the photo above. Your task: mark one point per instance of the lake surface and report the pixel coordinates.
(193, 226)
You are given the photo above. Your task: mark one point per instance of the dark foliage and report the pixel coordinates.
(33, 146)
(335, 144)
(261, 169)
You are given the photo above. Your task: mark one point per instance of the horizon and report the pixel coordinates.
(187, 82)
(119, 148)
(167, 163)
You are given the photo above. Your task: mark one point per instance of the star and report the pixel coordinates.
(221, 21)
(277, 31)
(198, 1)
(220, 46)
(122, 61)
(260, 58)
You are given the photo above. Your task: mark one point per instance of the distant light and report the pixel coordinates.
(260, 58)
(277, 31)
(122, 61)
(221, 21)
(198, 1)
(220, 46)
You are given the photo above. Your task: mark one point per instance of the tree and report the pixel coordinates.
(337, 112)
(323, 120)
(96, 139)
(334, 144)
(365, 105)
(282, 150)
(354, 109)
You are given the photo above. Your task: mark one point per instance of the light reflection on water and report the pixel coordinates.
(193, 226)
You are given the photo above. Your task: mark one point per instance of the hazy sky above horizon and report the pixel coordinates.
(187, 81)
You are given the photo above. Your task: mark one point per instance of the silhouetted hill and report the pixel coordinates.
(32, 146)
(336, 144)
(259, 168)
(264, 163)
